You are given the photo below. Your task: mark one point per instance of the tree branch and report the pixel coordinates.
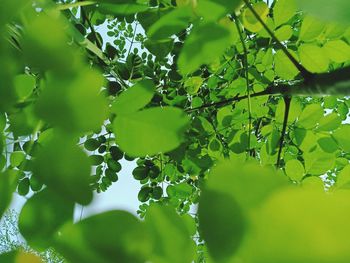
(335, 83)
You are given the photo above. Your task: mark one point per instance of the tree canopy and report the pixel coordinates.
(235, 112)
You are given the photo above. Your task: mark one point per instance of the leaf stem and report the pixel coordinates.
(245, 65)
(287, 101)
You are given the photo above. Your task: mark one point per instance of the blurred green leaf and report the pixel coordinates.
(65, 169)
(41, 217)
(104, 238)
(170, 235)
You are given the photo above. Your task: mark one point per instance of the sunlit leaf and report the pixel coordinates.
(162, 130)
(313, 58)
(311, 28)
(310, 116)
(283, 11)
(337, 51)
(284, 68)
(341, 135)
(134, 98)
(215, 9)
(205, 43)
(171, 23)
(295, 170)
(250, 21)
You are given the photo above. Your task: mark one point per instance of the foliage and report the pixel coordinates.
(238, 108)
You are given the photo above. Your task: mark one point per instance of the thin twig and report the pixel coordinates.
(225, 102)
(287, 101)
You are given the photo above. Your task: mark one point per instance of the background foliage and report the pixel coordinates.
(239, 108)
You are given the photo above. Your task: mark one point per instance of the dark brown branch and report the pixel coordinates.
(335, 83)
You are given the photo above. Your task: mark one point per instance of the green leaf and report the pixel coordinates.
(122, 9)
(23, 186)
(205, 43)
(222, 224)
(215, 9)
(232, 191)
(160, 48)
(310, 116)
(231, 177)
(295, 170)
(65, 169)
(286, 233)
(250, 22)
(96, 159)
(311, 28)
(193, 84)
(284, 68)
(329, 122)
(7, 187)
(171, 23)
(145, 194)
(73, 103)
(283, 11)
(170, 235)
(140, 173)
(91, 144)
(104, 238)
(318, 162)
(20, 256)
(24, 85)
(321, 8)
(343, 178)
(305, 139)
(41, 217)
(313, 58)
(150, 131)
(328, 144)
(134, 98)
(51, 52)
(341, 135)
(180, 191)
(17, 158)
(337, 51)
(2, 121)
(284, 33)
